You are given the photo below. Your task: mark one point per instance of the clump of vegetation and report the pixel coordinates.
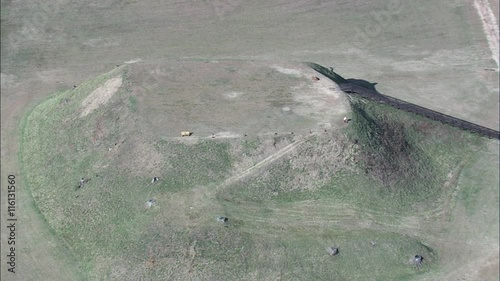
(403, 152)
(390, 152)
(132, 103)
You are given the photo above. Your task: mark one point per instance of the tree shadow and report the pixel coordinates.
(366, 89)
(337, 78)
(363, 83)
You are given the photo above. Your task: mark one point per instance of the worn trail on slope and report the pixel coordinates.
(265, 162)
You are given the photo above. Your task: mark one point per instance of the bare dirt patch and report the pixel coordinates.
(251, 98)
(319, 99)
(489, 269)
(133, 61)
(233, 95)
(226, 135)
(288, 71)
(101, 95)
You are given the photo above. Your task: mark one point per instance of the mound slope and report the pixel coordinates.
(281, 165)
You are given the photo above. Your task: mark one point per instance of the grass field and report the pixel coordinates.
(227, 71)
(285, 209)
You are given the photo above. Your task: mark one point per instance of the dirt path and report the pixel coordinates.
(490, 26)
(200, 196)
(265, 162)
(452, 182)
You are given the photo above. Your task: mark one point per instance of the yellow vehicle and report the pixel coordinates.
(186, 133)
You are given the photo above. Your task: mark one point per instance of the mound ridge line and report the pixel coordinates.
(365, 93)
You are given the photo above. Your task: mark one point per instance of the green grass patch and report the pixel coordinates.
(132, 103)
(249, 146)
(356, 185)
(199, 164)
(405, 153)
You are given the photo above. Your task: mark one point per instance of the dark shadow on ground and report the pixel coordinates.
(335, 77)
(366, 90)
(363, 83)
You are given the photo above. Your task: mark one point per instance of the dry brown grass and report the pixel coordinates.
(100, 95)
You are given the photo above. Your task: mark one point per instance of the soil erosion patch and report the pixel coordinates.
(100, 95)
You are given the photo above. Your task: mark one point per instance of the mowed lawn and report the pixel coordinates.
(282, 215)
